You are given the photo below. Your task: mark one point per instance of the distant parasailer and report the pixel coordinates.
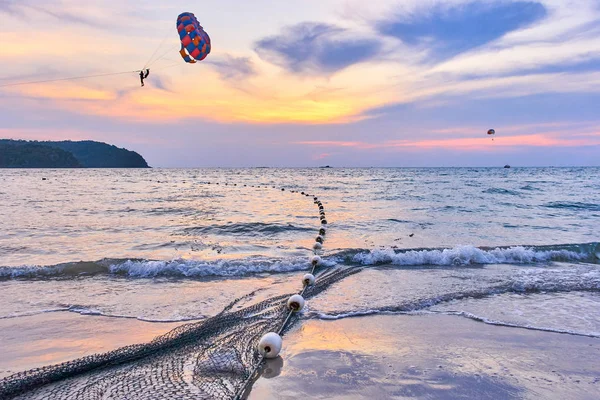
(491, 133)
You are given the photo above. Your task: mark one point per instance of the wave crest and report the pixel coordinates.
(179, 268)
(467, 255)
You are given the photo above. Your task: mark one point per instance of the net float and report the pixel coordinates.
(308, 280)
(269, 345)
(295, 303)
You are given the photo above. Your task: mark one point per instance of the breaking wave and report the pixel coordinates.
(468, 255)
(151, 268)
(179, 268)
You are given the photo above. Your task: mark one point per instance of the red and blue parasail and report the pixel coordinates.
(195, 42)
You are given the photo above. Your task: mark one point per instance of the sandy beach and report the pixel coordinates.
(46, 339)
(375, 357)
(429, 357)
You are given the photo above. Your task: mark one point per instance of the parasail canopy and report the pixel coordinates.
(195, 42)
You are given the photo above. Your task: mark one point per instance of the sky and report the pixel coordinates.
(383, 83)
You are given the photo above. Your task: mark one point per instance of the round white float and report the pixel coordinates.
(270, 345)
(296, 303)
(308, 280)
(317, 246)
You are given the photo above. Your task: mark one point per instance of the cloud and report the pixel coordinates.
(322, 156)
(232, 68)
(547, 139)
(450, 30)
(65, 16)
(579, 55)
(8, 6)
(160, 82)
(316, 48)
(55, 10)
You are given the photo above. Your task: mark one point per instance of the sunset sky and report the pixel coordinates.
(311, 82)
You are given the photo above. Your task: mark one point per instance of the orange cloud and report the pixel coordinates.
(65, 91)
(484, 143)
(215, 101)
(472, 130)
(322, 156)
(537, 140)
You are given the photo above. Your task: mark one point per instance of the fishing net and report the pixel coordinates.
(211, 359)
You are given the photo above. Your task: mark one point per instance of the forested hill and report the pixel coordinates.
(66, 154)
(34, 155)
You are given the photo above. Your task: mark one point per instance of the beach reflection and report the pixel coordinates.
(272, 368)
(430, 357)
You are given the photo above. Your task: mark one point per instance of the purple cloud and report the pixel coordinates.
(451, 30)
(233, 68)
(317, 48)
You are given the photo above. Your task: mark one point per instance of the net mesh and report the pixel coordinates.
(211, 359)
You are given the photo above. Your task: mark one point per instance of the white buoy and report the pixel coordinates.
(308, 280)
(270, 345)
(319, 239)
(315, 260)
(322, 231)
(296, 303)
(317, 246)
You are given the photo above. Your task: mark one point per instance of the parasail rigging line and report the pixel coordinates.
(68, 79)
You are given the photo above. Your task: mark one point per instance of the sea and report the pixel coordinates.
(515, 247)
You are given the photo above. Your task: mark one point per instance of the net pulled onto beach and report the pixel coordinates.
(211, 359)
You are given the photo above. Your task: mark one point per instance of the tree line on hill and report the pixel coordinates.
(66, 154)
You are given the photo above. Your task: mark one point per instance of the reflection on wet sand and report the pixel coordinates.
(79, 336)
(431, 356)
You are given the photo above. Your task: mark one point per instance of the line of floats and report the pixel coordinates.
(270, 344)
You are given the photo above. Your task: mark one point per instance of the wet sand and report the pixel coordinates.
(45, 339)
(375, 357)
(429, 357)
